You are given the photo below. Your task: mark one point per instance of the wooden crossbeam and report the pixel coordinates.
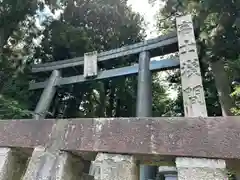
(148, 45)
(169, 63)
(210, 137)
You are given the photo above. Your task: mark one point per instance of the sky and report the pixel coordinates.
(148, 12)
(141, 6)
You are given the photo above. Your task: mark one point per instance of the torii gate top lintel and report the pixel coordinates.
(157, 46)
(162, 45)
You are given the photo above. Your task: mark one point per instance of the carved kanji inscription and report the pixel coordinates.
(185, 27)
(194, 94)
(186, 48)
(190, 67)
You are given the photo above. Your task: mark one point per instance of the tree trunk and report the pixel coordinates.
(2, 39)
(110, 107)
(223, 87)
(101, 110)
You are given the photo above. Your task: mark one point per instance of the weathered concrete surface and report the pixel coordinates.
(201, 169)
(114, 167)
(215, 137)
(5, 163)
(24, 133)
(45, 165)
(49, 163)
(12, 164)
(201, 137)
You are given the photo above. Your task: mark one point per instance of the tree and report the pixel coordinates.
(15, 17)
(17, 33)
(96, 25)
(218, 39)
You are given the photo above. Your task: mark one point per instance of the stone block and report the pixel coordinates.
(114, 167)
(47, 165)
(12, 164)
(201, 169)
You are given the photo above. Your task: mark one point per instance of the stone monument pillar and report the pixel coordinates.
(194, 103)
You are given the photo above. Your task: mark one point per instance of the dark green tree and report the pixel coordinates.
(218, 43)
(98, 25)
(16, 18)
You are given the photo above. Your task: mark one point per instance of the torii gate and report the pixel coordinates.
(197, 145)
(159, 46)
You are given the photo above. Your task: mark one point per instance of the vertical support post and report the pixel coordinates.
(47, 96)
(202, 169)
(50, 163)
(12, 164)
(144, 103)
(194, 103)
(144, 91)
(108, 166)
(114, 167)
(45, 164)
